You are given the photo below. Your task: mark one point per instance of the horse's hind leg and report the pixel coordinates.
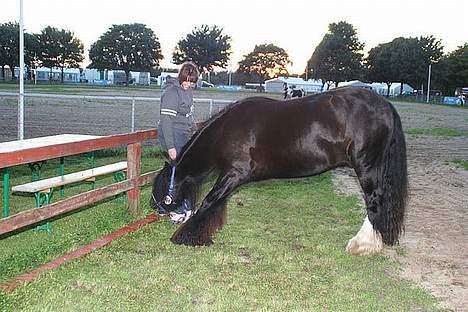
(211, 216)
(368, 241)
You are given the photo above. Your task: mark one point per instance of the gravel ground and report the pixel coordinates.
(434, 248)
(49, 116)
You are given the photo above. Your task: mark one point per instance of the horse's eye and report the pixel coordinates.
(167, 200)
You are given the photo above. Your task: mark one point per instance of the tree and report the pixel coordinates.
(338, 56)
(32, 51)
(265, 61)
(452, 70)
(432, 49)
(206, 46)
(241, 78)
(9, 46)
(405, 60)
(220, 78)
(379, 67)
(59, 48)
(127, 47)
(431, 53)
(411, 58)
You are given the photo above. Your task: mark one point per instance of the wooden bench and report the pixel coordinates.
(43, 189)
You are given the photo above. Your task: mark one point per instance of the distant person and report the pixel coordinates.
(285, 90)
(176, 124)
(461, 97)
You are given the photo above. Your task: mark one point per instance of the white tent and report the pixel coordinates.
(355, 83)
(395, 87)
(55, 74)
(106, 77)
(140, 78)
(278, 84)
(163, 77)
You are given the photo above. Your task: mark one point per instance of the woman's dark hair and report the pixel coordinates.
(188, 72)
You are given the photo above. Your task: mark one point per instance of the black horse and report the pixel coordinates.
(260, 138)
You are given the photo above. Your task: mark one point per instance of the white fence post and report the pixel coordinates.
(133, 114)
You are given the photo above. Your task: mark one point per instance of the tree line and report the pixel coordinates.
(338, 57)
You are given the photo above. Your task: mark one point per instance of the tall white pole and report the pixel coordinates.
(21, 77)
(230, 70)
(428, 84)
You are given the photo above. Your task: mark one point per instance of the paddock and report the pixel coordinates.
(430, 252)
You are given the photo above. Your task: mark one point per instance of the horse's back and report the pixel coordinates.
(303, 136)
(349, 109)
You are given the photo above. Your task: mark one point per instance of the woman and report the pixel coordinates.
(176, 124)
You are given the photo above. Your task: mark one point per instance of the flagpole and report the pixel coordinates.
(21, 77)
(428, 84)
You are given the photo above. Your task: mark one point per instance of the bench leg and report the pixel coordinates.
(42, 199)
(62, 173)
(120, 176)
(36, 170)
(91, 160)
(92, 182)
(6, 191)
(91, 164)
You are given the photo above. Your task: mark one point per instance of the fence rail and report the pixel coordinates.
(132, 185)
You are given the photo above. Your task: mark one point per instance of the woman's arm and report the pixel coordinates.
(169, 105)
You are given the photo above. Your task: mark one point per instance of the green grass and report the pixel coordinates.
(282, 250)
(442, 132)
(461, 163)
(31, 248)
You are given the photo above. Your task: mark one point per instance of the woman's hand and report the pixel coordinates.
(172, 153)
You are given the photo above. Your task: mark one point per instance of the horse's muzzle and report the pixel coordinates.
(162, 211)
(156, 205)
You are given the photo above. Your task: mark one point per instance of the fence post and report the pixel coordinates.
(133, 172)
(211, 108)
(133, 114)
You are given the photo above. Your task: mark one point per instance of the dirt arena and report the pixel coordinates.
(433, 251)
(48, 116)
(434, 248)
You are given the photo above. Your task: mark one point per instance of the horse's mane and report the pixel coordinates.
(206, 124)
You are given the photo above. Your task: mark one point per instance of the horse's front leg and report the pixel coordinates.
(211, 216)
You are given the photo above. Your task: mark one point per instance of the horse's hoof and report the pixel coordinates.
(187, 240)
(363, 248)
(366, 242)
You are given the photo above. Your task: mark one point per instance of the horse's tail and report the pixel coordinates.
(394, 177)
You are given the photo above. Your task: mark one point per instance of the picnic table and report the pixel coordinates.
(130, 185)
(31, 144)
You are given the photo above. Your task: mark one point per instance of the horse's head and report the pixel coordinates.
(171, 198)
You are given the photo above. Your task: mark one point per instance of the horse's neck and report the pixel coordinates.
(196, 162)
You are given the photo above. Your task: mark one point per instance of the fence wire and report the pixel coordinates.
(49, 114)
